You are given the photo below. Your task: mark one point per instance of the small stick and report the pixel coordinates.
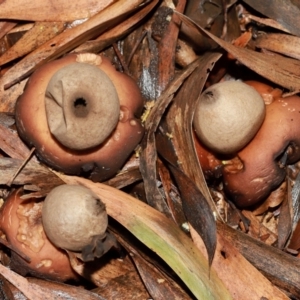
(10, 181)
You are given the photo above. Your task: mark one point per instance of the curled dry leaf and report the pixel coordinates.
(11, 144)
(70, 39)
(281, 43)
(45, 290)
(197, 208)
(284, 227)
(148, 154)
(275, 199)
(267, 22)
(167, 47)
(283, 270)
(34, 176)
(295, 239)
(285, 71)
(117, 32)
(179, 121)
(197, 211)
(158, 284)
(6, 290)
(231, 266)
(286, 12)
(127, 286)
(51, 10)
(295, 201)
(33, 38)
(294, 242)
(9, 97)
(258, 230)
(5, 27)
(102, 271)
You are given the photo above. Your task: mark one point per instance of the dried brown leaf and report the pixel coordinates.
(294, 196)
(286, 12)
(281, 268)
(285, 219)
(46, 290)
(5, 27)
(33, 38)
(5, 291)
(10, 96)
(102, 271)
(197, 211)
(148, 155)
(179, 120)
(240, 277)
(70, 39)
(127, 286)
(116, 32)
(267, 22)
(158, 285)
(281, 70)
(11, 144)
(258, 230)
(295, 239)
(51, 10)
(167, 47)
(295, 201)
(125, 178)
(171, 193)
(281, 43)
(274, 199)
(34, 176)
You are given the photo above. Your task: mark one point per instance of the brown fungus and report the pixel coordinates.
(210, 164)
(228, 115)
(81, 118)
(81, 115)
(264, 159)
(268, 93)
(21, 223)
(75, 219)
(259, 168)
(72, 216)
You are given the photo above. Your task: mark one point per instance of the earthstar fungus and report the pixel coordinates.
(264, 159)
(81, 115)
(250, 175)
(21, 223)
(73, 216)
(81, 118)
(228, 115)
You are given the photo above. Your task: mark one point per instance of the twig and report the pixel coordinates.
(10, 181)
